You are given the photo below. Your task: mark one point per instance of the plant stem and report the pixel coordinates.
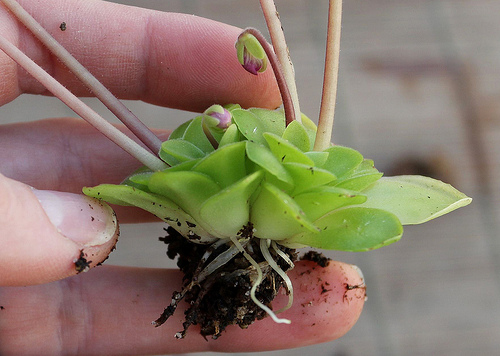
(328, 98)
(280, 47)
(56, 88)
(100, 91)
(278, 73)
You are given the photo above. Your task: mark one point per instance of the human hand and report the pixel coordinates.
(172, 60)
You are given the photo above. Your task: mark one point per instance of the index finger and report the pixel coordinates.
(174, 60)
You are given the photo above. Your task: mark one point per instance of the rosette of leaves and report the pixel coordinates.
(264, 174)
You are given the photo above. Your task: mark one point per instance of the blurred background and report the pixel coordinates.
(419, 94)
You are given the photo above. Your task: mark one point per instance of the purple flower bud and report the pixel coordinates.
(250, 53)
(217, 116)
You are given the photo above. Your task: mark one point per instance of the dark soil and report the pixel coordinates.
(82, 264)
(317, 257)
(223, 298)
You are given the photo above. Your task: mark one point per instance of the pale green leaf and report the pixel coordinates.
(342, 160)
(264, 158)
(296, 134)
(249, 125)
(351, 229)
(225, 165)
(321, 201)
(179, 131)
(187, 189)
(414, 199)
(307, 177)
(319, 158)
(285, 151)
(276, 216)
(194, 133)
(231, 135)
(361, 177)
(229, 210)
(273, 120)
(158, 205)
(180, 150)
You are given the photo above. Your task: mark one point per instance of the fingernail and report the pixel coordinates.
(84, 220)
(360, 272)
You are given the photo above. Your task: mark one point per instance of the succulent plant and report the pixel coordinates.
(265, 174)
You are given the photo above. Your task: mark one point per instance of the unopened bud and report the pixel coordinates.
(250, 53)
(217, 116)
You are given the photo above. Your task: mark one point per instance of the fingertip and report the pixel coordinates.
(329, 300)
(327, 303)
(35, 247)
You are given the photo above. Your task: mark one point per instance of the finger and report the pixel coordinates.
(109, 311)
(66, 155)
(63, 154)
(47, 235)
(175, 60)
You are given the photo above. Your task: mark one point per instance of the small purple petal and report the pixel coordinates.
(252, 64)
(224, 118)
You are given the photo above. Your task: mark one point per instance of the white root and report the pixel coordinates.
(264, 247)
(257, 283)
(220, 261)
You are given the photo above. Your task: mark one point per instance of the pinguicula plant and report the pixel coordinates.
(242, 189)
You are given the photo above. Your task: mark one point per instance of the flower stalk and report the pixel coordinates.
(56, 88)
(329, 96)
(278, 73)
(139, 129)
(280, 47)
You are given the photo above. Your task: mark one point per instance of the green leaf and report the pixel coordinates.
(342, 160)
(229, 210)
(307, 177)
(363, 176)
(138, 180)
(284, 151)
(184, 166)
(273, 120)
(320, 201)
(249, 125)
(351, 229)
(194, 133)
(179, 131)
(296, 134)
(180, 150)
(264, 158)
(276, 216)
(231, 107)
(231, 135)
(310, 127)
(225, 165)
(319, 158)
(414, 199)
(158, 205)
(187, 189)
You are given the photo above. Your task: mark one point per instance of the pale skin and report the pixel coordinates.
(171, 60)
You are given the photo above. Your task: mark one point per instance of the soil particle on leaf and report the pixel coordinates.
(223, 297)
(317, 257)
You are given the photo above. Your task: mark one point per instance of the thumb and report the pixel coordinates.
(48, 235)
